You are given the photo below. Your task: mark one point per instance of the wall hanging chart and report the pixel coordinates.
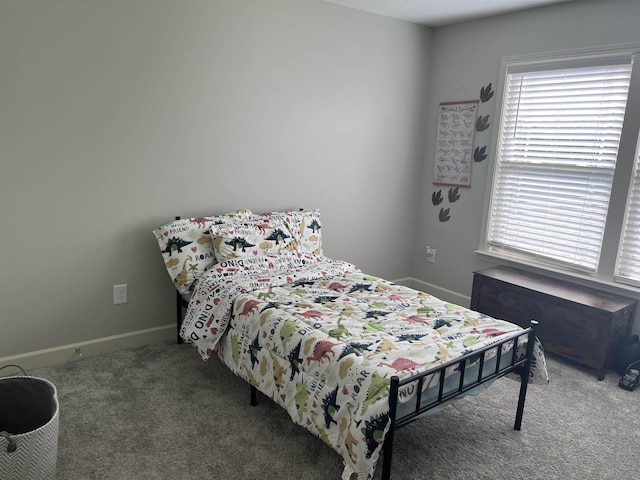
(454, 143)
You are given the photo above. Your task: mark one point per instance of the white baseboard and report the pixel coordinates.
(442, 293)
(90, 348)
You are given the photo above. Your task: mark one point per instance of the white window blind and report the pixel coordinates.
(628, 266)
(556, 155)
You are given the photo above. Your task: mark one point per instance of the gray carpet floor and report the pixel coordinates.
(160, 412)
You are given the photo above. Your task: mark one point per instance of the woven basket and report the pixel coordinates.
(29, 417)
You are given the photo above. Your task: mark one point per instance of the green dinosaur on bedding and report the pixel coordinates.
(301, 398)
(239, 243)
(266, 295)
(339, 332)
(471, 341)
(378, 389)
(287, 330)
(175, 244)
(378, 304)
(372, 326)
(277, 236)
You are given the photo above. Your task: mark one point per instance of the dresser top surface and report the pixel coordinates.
(558, 288)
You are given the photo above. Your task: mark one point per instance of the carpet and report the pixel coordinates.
(160, 412)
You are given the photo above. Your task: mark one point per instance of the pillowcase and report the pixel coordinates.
(265, 234)
(187, 247)
(305, 226)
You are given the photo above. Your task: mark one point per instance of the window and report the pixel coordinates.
(628, 264)
(558, 164)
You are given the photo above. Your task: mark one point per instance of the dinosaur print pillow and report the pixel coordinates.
(265, 234)
(305, 226)
(187, 248)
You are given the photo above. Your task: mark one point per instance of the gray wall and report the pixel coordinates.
(117, 115)
(466, 57)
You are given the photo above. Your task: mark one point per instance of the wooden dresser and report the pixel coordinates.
(577, 322)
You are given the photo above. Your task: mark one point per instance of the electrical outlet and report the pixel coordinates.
(430, 253)
(119, 294)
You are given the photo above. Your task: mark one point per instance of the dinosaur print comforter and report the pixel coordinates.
(322, 339)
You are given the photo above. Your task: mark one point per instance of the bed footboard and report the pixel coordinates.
(464, 385)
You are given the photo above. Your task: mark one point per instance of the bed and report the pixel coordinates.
(350, 356)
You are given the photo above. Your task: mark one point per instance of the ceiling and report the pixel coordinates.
(434, 13)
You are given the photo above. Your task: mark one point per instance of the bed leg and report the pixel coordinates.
(254, 396)
(178, 317)
(387, 448)
(524, 377)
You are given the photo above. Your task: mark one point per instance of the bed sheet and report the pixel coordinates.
(322, 339)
